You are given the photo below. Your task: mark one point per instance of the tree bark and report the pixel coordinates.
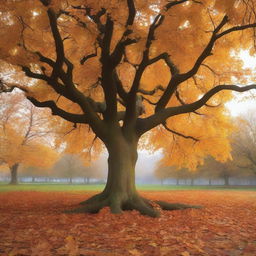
(14, 174)
(120, 191)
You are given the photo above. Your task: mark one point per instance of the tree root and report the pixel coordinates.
(117, 205)
(91, 200)
(93, 207)
(142, 206)
(176, 206)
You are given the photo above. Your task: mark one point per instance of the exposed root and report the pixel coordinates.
(115, 207)
(91, 200)
(118, 204)
(89, 208)
(176, 206)
(146, 210)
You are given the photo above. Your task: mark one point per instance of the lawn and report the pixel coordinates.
(92, 187)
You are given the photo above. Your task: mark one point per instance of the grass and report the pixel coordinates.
(93, 187)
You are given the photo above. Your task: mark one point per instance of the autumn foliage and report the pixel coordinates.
(186, 29)
(25, 135)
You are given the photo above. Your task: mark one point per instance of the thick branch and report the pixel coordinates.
(175, 81)
(182, 102)
(205, 53)
(166, 57)
(57, 40)
(67, 89)
(160, 117)
(131, 102)
(132, 13)
(120, 89)
(74, 118)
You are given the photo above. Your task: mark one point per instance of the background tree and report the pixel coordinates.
(68, 166)
(96, 170)
(172, 172)
(23, 135)
(244, 142)
(124, 68)
(213, 169)
(35, 172)
(164, 172)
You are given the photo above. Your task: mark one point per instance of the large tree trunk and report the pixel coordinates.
(120, 192)
(14, 174)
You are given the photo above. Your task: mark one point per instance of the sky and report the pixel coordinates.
(241, 104)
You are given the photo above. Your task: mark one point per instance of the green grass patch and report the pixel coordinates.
(50, 187)
(93, 187)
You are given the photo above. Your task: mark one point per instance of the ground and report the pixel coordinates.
(33, 223)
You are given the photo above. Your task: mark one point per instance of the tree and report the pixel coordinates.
(124, 68)
(68, 166)
(215, 169)
(244, 143)
(23, 135)
(93, 171)
(164, 172)
(35, 172)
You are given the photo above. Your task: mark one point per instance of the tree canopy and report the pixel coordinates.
(169, 53)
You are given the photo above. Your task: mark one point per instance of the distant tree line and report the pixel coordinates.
(68, 168)
(242, 164)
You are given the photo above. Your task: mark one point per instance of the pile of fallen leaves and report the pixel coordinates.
(33, 223)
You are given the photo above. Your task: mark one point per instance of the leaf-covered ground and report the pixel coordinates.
(33, 223)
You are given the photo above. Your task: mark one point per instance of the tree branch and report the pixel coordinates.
(183, 102)
(85, 58)
(152, 92)
(166, 57)
(59, 47)
(174, 82)
(179, 134)
(132, 13)
(74, 118)
(131, 110)
(173, 3)
(144, 125)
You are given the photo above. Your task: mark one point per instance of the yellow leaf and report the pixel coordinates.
(186, 253)
(135, 252)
